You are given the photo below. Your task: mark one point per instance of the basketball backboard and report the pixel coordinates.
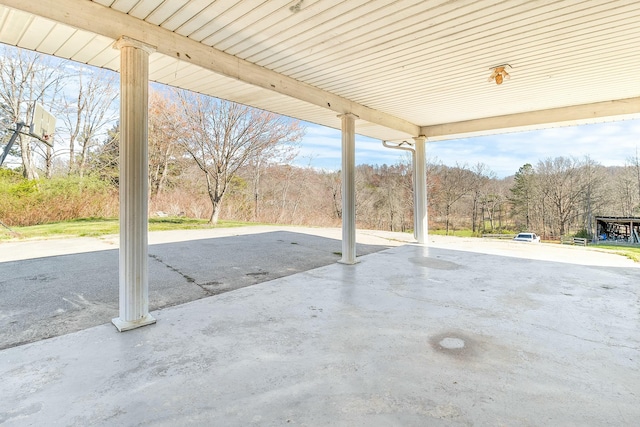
(44, 124)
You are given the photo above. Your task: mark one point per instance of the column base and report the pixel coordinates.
(124, 325)
(345, 262)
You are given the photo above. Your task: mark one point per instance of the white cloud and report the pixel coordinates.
(607, 143)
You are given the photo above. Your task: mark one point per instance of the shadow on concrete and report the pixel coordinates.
(46, 297)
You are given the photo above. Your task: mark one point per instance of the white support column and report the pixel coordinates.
(420, 190)
(348, 188)
(134, 87)
(414, 177)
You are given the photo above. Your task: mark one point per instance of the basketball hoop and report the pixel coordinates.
(43, 125)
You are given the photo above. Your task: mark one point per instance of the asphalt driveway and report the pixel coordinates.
(53, 287)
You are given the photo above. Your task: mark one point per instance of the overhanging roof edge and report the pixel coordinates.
(621, 109)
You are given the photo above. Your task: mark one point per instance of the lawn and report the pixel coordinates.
(457, 233)
(93, 227)
(631, 252)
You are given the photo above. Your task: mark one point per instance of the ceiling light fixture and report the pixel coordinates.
(499, 73)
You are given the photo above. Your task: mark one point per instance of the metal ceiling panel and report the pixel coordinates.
(14, 24)
(424, 62)
(165, 10)
(36, 32)
(56, 37)
(223, 21)
(188, 12)
(201, 26)
(107, 58)
(144, 8)
(92, 49)
(124, 5)
(74, 44)
(250, 25)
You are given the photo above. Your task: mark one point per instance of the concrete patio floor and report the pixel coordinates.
(462, 332)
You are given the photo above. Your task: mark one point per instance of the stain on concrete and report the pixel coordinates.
(214, 283)
(260, 273)
(437, 264)
(455, 344)
(42, 278)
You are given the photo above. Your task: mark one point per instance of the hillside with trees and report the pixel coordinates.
(213, 159)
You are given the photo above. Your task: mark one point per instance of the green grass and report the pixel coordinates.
(458, 233)
(93, 227)
(631, 252)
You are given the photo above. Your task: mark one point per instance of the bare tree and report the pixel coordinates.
(278, 154)
(289, 202)
(561, 183)
(494, 202)
(634, 163)
(481, 176)
(223, 136)
(623, 190)
(396, 196)
(332, 183)
(25, 79)
(452, 183)
(166, 128)
(592, 183)
(88, 112)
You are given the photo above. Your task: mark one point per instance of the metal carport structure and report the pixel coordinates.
(389, 69)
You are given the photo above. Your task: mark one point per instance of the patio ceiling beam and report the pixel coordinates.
(573, 115)
(107, 22)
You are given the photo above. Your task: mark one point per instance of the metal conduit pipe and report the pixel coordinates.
(408, 146)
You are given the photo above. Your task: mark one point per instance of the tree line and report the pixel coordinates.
(564, 195)
(210, 158)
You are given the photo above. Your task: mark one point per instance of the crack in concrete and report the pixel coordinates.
(188, 278)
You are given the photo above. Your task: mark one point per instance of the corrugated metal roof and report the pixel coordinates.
(424, 62)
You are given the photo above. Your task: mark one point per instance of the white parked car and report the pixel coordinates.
(527, 237)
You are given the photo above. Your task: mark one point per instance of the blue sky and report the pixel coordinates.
(609, 144)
